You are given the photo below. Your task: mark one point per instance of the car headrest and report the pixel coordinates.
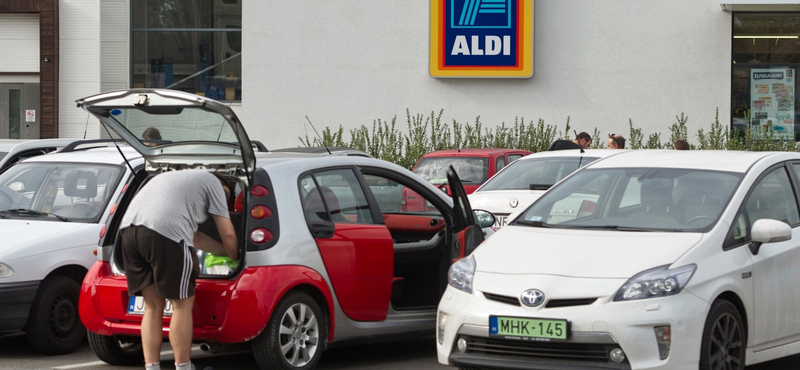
(81, 184)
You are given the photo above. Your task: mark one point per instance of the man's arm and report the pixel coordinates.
(227, 233)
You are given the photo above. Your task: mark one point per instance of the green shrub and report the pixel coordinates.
(427, 133)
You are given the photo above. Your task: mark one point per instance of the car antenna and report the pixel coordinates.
(319, 137)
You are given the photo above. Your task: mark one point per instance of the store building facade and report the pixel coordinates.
(351, 62)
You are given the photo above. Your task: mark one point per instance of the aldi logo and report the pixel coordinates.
(481, 38)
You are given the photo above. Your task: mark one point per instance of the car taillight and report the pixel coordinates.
(260, 235)
(103, 231)
(259, 191)
(260, 212)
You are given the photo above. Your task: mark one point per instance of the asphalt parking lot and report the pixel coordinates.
(412, 354)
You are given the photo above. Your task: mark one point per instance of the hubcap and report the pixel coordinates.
(63, 316)
(299, 335)
(725, 349)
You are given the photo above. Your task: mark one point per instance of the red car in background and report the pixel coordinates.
(474, 167)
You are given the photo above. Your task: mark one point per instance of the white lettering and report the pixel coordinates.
(460, 46)
(476, 48)
(493, 45)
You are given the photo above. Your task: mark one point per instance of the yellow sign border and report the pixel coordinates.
(526, 42)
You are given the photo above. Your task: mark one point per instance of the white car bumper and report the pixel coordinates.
(595, 329)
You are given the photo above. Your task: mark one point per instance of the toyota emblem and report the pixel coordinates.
(514, 202)
(532, 297)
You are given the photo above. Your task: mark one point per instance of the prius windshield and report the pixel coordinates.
(635, 199)
(162, 125)
(536, 174)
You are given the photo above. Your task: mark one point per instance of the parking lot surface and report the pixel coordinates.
(412, 354)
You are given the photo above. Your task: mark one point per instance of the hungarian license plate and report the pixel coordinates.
(136, 306)
(500, 221)
(528, 328)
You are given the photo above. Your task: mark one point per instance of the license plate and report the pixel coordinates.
(136, 306)
(528, 328)
(500, 221)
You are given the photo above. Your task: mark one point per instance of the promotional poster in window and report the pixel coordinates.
(772, 99)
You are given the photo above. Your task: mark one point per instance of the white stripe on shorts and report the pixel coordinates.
(187, 270)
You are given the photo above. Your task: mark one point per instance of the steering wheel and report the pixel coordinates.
(11, 199)
(701, 217)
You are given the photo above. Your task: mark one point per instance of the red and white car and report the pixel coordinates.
(329, 257)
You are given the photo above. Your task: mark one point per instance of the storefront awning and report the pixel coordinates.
(759, 6)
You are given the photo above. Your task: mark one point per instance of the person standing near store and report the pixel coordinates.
(616, 141)
(582, 141)
(159, 235)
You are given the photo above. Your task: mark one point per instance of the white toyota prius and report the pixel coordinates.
(644, 260)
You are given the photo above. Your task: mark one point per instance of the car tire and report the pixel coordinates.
(291, 343)
(724, 338)
(54, 326)
(118, 351)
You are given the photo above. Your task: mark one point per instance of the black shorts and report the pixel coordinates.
(151, 258)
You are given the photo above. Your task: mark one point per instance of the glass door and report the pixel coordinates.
(12, 113)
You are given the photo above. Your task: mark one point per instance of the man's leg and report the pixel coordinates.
(152, 324)
(180, 329)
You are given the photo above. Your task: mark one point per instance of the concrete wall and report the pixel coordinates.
(349, 62)
(80, 65)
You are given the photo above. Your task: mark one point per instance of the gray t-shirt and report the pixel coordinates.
(174, 203)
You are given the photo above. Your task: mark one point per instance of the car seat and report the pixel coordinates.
(656, 196)
(705, 201)
(89, 189)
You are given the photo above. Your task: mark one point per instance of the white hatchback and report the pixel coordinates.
(680, 260)
(523, 181)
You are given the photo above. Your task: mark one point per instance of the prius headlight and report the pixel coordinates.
(461, 274)
(656, 282)
(6, 271)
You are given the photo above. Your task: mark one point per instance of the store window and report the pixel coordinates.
(188, 45)
(766, 57)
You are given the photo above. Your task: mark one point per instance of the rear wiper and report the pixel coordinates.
(531, 223)
(22, 211)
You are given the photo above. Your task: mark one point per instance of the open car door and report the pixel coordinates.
(468, 233)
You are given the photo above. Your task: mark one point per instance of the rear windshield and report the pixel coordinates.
(471, 170)
(635, 199)
(164, 125)
(544, 172)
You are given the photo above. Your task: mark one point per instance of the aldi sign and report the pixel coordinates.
(481, 38)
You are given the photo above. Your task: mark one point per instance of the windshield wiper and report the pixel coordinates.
(22, 211)
(531, 223)
(616, 227)
(540, 186)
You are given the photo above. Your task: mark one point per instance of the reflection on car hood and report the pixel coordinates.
(17, 235)
(499, 201)
(580, 253)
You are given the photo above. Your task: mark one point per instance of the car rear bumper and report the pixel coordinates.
(15, 303)
(225, 310)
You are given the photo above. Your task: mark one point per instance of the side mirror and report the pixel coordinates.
(768, 231)
(484, 218)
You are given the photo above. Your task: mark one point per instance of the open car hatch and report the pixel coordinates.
(194, 131)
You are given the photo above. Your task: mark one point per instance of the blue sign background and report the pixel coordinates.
(480, 18)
